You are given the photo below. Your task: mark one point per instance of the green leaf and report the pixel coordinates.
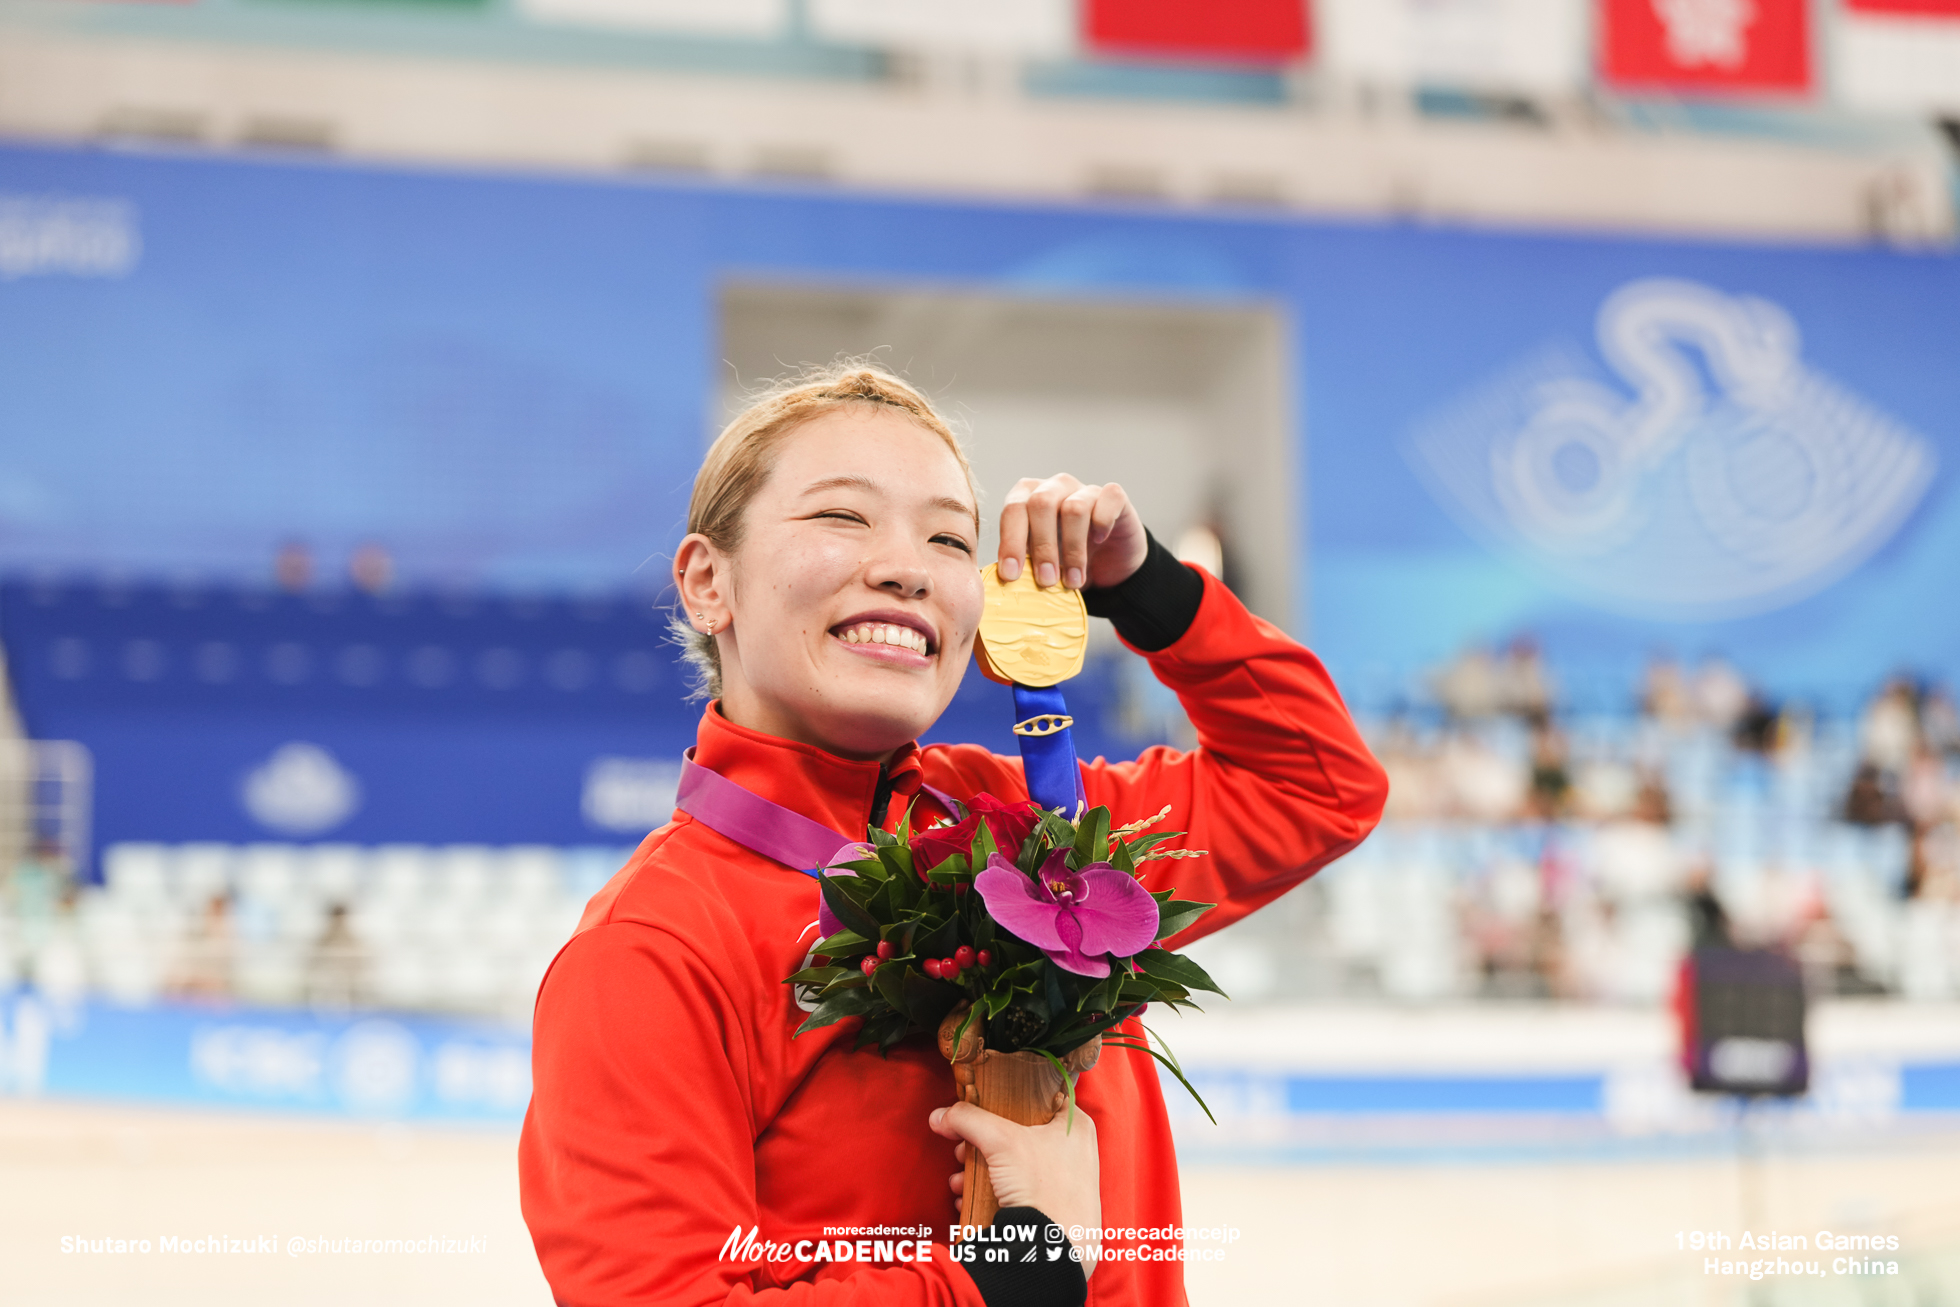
(948, 871)
(1119, 858)
(1101, 996)
(1152, 990)
(939, 940)
(983, 845)
(1092, 838)
(1068, 1086)
(1059, 830)
(897, 859)
(889, 981)
(879, 905)
(843, 944)
(817, 975)
(849, 912)
(960, 1033)
(1142, 844)
(851, 1003)
(1144, 1047)
(1177, 914)
(1161, 964)
(898, 1031)
(905, 893)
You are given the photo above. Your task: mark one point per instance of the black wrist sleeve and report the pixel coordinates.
(1156, 606)
(1023, 1260)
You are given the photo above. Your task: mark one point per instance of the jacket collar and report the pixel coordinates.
(839, 792)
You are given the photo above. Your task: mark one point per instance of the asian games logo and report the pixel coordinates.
(1706, 31)
(1710, 474)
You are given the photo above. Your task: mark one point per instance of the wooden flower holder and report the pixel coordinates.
(1023, 1087)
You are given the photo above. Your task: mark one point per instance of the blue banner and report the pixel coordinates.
(1615, 443)
(397, 1066)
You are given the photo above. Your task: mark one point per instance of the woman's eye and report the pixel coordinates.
(955, 542)
(842, 517)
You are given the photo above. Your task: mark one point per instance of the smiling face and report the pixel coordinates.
(855, 593)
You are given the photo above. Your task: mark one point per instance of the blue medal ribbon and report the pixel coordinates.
(1041, 728)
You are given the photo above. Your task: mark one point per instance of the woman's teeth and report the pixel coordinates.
(903, 637)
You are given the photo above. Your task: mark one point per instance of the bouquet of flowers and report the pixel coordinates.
(1015, 921)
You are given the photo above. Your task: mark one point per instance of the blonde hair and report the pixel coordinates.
(743, 455)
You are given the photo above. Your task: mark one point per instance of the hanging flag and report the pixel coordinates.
(1899, 56)
(1721, 46)
(1016, 27)
(1236, 31)
(1497, 45)
(750, 18)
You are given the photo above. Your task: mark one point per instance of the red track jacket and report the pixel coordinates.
(671, 1106)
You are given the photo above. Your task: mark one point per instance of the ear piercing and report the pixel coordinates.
(711, 625)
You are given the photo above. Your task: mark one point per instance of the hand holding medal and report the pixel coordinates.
(1034, 633)
(1021, 934)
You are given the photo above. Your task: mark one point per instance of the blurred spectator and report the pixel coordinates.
(59, 967)
(1470, 688)
(206, 959)
(1482, 784)
(1889, 730)
(1939, 722)
(336, 972)
(1551, 780)
(371, 568)
(1796, 727)
(1416, 792)
(1755, 730)
(1925, 793)
(1665, 696)
(1721, 695)
(1524, 686)
(40, 882)
(1830, 964)
(292, 567)
(1650, 801)
(1708, 920)
(1933, 873)
(1871, 801)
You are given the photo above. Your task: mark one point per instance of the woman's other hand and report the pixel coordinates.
(1074, 534)
(1054, 1168)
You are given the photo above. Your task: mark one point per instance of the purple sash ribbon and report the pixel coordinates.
(769, 828)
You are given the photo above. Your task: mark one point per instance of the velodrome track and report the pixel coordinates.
(1517, 1211)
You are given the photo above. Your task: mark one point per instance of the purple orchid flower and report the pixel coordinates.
(1077, 918)
(827, 922)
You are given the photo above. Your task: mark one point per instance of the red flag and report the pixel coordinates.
(1934, 8)
(1706, 45)
(1251, 31)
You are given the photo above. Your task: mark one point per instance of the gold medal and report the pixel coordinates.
(1028, 635)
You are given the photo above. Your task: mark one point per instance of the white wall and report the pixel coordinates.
(970, 135)
(1186, 407)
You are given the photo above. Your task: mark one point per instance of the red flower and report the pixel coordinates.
(1009, 823)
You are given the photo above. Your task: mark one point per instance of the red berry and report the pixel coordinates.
(931, 966)
(869, 965)
(884, 949)
(949, 968)
(984, 957)
(964, 956)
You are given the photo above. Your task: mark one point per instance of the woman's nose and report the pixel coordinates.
(900, 570)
